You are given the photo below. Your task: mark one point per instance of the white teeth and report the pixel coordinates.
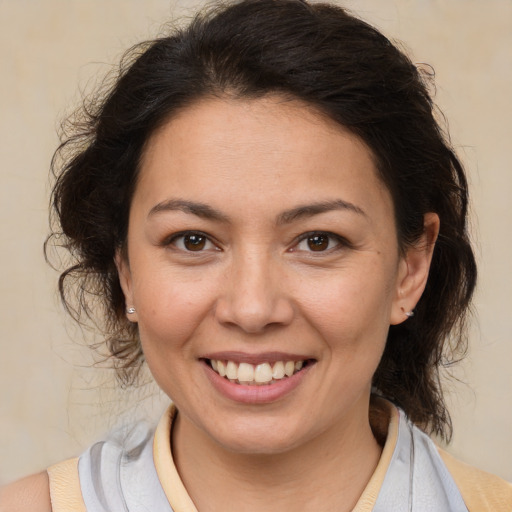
(263, 373)
(289, 368)
(278, 370)
(231, 370)
(245, 372)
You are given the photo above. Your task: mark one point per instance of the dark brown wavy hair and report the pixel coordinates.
(324, 56)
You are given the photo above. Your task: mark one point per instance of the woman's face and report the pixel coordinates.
(261, 239)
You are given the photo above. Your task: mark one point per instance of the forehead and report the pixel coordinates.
(266, 151)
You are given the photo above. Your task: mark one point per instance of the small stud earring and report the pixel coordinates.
(409, 314)
(130, 311)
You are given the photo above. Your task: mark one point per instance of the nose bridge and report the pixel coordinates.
(254, 296)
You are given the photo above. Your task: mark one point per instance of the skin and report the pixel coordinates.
(256, 288)
(30, 493)
(256, 171)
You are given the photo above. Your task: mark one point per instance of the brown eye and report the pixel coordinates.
(318, 242)
(194, 242)
(191, 241)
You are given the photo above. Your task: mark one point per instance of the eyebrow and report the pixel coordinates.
(205, 211)
(310, 210)
(199, 209)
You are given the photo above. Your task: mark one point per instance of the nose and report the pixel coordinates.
(253, 295)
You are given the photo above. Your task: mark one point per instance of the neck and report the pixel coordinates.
(327, 473)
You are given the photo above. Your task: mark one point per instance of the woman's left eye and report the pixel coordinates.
(192, 242)
(318, 242)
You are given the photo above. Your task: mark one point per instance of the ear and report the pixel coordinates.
(125, 279)
(413, 270)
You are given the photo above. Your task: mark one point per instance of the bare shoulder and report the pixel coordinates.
(30, 493)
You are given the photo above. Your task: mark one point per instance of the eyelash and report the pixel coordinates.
(339, 241)
(172, 240)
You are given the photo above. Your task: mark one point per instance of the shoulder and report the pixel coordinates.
(481, 491)
(31, 493)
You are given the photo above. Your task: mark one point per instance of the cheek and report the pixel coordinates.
(350, 306)
(170, 317)
(170, 309)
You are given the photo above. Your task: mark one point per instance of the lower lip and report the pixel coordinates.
(262, 394)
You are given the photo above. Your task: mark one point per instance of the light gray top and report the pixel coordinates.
(417, 478)
(119, 475)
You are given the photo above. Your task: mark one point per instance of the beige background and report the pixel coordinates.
(52, 402)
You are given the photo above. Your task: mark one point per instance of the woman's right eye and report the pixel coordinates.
(192, 242)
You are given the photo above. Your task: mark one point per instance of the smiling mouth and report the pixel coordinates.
(263, 374)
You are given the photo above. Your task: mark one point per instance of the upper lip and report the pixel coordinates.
(262, 357)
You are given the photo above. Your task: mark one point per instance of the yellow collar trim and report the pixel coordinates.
(166, 470)
(367, 500)
(180, 501)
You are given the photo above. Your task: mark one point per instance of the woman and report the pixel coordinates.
(276, 223)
